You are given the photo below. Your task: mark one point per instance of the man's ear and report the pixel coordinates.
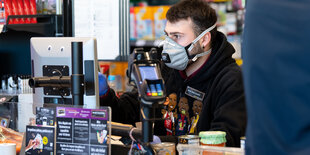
(206, 39)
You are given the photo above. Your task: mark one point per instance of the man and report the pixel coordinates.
(199, 66)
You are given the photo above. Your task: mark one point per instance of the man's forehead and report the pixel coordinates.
(180, 26)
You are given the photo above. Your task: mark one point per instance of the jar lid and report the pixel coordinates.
(212, 137)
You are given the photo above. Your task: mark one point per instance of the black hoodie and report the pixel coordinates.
(219, 79)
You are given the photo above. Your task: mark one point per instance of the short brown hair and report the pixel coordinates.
(199, 11)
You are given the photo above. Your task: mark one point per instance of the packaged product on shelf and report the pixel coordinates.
(2, 13)
(33, 10)
(8, 10)
(27, 10)
(39, 7)
(220, 9)
(160, 20)
(14, 11)
(133, 32)
(115, 73)
(20, 10)
(144, 22)
(231, 23)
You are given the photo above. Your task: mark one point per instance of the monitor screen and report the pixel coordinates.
(148, 72)
(51, 56)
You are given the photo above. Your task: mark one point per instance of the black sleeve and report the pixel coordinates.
(229, 110)
(125, 109)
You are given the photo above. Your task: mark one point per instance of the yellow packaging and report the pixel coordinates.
(144, 22)
(160, 20)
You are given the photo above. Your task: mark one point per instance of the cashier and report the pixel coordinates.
(203, 82)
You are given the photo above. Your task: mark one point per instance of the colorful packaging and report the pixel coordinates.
(15, 11)
(33, 10)
(2, 13)
(20, 10)
(160, 20)
(27, 10)
(8, 10)
(133, 32)
(144, 22)
(116, 69)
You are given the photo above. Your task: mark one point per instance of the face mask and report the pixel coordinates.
(176, 56)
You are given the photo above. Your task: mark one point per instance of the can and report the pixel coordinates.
(188, 139)
(165, 148)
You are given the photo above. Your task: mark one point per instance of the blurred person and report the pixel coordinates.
(277, 76)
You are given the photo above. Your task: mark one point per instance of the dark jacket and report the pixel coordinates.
(219, 79)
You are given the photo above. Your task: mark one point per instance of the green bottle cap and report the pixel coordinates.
(212, 137)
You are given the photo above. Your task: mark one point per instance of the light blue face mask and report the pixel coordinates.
(176, 56)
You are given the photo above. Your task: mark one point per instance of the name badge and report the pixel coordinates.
(194, 93)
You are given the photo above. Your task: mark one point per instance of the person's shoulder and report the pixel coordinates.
(230, 74)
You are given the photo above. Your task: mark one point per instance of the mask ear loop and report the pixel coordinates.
(200, 36)
(201, 54)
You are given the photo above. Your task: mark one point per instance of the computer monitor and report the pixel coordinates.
(51, 56)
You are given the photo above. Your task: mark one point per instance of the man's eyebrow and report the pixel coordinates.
(172, 33)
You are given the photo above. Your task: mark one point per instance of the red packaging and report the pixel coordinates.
(2, 13)
(20, 10)
(8, 10)
(33, 10)
(15, 11)
(27, 10)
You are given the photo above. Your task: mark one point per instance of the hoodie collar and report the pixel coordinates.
(221, 56)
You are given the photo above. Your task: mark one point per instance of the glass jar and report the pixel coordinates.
(212, 138)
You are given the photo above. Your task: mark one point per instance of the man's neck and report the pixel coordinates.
(196, 65)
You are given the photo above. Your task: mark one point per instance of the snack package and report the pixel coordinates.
(160, 20)
(27, 10)
(10, 136)
(8, 10)
(144, 22)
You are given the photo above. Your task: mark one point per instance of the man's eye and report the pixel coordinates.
(176, 36)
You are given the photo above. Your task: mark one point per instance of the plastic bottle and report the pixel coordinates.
(112, 82)
(212, 138)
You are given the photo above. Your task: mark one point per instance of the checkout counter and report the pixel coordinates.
(71, 127)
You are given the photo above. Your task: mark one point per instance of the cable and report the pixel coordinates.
(132, 140)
